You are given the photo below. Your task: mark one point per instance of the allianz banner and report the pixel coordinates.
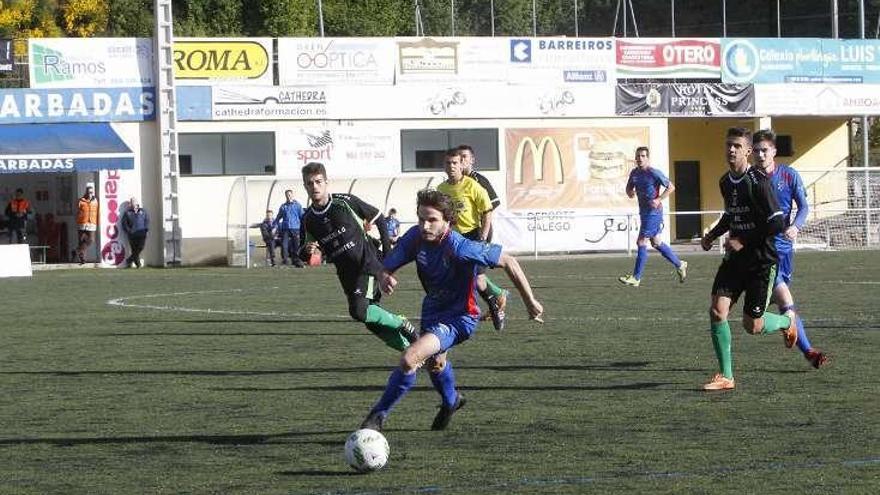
(685, 99)
(6, 55)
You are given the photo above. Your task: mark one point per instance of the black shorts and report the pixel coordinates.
(756, 279)
(474, 235)
(360, 285)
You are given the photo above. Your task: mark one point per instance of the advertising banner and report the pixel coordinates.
(573, 229)
(223, 61)
(112, 191)
(800, 60)
(561, 61)
(690, 99)
(567, 168)
(7, 55)
(19, 106)
(817, 99)
(331, 61)
(346, 151)
(663, 58)
(450, 60)
(90, 62)
(269, 103)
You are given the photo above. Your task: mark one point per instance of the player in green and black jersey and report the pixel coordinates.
(335, 224)
(751, 218)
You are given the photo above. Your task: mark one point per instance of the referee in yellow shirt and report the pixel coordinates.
(473, 220)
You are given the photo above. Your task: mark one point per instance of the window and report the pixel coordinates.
(422, 150)
(251, 153)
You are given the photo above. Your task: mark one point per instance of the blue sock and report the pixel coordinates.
(399, 383)
(803, 342)
(641, 259)
(444, 383)
(667, 253)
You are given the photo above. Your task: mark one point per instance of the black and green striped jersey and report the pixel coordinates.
(338, 228)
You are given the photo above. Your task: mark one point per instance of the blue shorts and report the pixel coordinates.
(453, 331)
(651, 225)
(785, 267)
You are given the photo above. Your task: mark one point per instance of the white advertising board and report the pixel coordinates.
(817, 99)
(346, 150)
(331, 61)
(90, 62)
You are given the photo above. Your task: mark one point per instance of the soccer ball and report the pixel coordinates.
(366, 450)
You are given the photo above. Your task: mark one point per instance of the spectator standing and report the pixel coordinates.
(86, 222)
(393, 226)
(135, 223)
(267, 231)
(17, 212)
(289, 220)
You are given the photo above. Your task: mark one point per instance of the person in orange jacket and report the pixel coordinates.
(86, 222)
(17, 212)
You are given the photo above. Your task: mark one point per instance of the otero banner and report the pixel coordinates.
(311, 61)
(223, 61)
(693, 99)
(7, 55)
(800, 60)
(90, 62)
(661, 58)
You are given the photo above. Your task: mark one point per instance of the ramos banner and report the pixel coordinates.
(693, 99)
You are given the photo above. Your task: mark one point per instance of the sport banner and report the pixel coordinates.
(685, 99)
(663, 58)
(7, 55)
(800, 60)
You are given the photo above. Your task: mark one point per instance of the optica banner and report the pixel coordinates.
(330, 61)
(800, 60)
(661, 58)
(90, 62)
(691, 99)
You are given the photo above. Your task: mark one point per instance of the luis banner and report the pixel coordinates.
(685, 99)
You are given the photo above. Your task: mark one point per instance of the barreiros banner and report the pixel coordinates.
(800, 60)
(663, 58)
(690, 99)
(90, 62)
(208, 61)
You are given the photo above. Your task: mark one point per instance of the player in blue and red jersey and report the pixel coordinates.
(447, 266)
(645, 182)
(790, 191)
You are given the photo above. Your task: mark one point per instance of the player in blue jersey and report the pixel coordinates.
(447, 265)
(645, 182)
(789, 192)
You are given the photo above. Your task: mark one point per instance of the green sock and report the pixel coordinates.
(774, 323)
(492, 288)
(721, 343)
(386, 326)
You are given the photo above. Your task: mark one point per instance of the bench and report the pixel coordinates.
(38, 254)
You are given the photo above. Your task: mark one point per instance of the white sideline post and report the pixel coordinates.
(15, 261)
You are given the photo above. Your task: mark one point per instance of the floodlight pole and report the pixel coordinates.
(321, 18)
(575, 18)
(452, 16)
(866, 129)
(835, 18)
(492, 16)
(778, 19)
(534, 19)
(672, 15)
(724, 18)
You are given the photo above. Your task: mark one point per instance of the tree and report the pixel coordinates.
(84, 18)
(130, 18)
(285, 18)
(28, 19)
(208, 18)
(368, 18)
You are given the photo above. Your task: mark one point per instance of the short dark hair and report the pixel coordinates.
(435, 199)
(764, 135)
(19, 190)
(643, 148)
(452, 152)
(392, 211)
(465, 147)
(269, 211)
(314, 168)
(737, 132)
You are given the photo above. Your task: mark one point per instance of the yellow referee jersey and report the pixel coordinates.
(470, 200)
